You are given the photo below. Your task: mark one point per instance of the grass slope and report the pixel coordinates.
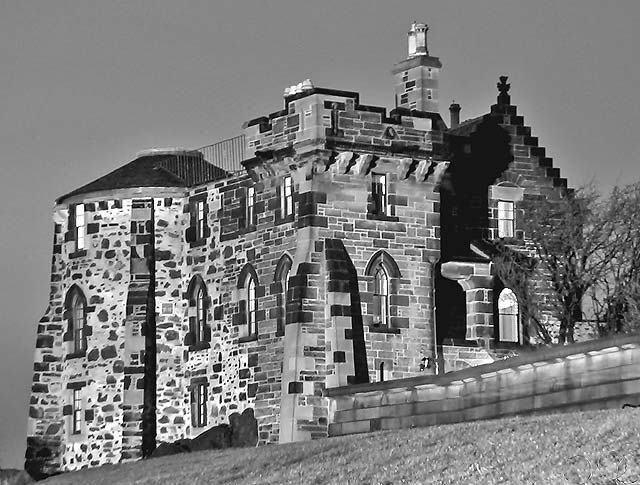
(586, 447)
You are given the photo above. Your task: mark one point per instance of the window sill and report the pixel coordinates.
(78, 254)
(383, 329)
(198, 243)
(283, 220)
(248, 338)
(382, 217)
(76, 355)
(199, 346)
(498, 345)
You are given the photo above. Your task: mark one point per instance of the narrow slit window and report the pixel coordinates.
(251, 201)
(76, 417)
(200, 315)
(252, 307)
(381, 297)
(199, 405)
(200, 219)
(506, 219)
(287, 196)
(78, 320)
(80, 226)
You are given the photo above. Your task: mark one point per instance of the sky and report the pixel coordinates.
(86, 84)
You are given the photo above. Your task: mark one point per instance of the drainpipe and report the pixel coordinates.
(150, 365)
(435, 326)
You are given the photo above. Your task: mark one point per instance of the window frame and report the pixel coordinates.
(76, 311)
(198, 314)
(380, 194)
(80, 227)
(506, 225)
(286, 197)
(251, 306)
(199, 400)
(200, 219)
(383, 308)
(281, 276)
(381, 285)
(76, 412)
(201, 314)
(508, 320)
(250, 207)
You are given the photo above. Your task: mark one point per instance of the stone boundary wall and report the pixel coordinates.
(597, 374)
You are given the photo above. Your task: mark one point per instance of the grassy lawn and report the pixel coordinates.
(587, 447)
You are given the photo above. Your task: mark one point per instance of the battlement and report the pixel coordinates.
(321, 117)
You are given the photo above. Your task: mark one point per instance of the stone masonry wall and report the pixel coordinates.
(101, 272)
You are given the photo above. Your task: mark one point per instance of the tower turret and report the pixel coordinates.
(416, 77)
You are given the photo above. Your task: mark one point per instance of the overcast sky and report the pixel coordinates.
(86, 84)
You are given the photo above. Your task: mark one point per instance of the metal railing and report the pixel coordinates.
(226, 154)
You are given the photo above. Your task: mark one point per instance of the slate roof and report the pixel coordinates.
(467, 127)
(162, 170)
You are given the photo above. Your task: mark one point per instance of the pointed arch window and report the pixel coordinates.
(508, 316)
(249, 293)
(76, 315)
(283, 270)
(384, 275)
(199, 331)
(381, 297)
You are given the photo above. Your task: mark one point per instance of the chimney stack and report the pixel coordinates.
(416, 77)
(454, 112)
(418, 40)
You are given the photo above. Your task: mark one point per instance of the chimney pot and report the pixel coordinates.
(454, 112)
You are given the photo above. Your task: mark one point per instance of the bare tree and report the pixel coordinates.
(615, 297)
(569, 237)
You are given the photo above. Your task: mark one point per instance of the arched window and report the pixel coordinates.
(248, 285)
(199, 331)
(76, 312)
(283, 270)
(508, 316)
(381, 296)
(382, 269)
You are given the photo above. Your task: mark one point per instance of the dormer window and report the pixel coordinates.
(506, 219)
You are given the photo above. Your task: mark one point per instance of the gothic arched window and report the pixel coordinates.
(508, 316)
(248, 286)
(382, 270)
(381, 296)
(199, 330)
(283, 270)
(76, 313)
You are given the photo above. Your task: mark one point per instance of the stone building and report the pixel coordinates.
(332, 243)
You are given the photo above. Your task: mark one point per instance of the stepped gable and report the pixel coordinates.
(155, 170)
(528, 156)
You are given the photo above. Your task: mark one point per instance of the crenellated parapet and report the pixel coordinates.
(332, 118)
